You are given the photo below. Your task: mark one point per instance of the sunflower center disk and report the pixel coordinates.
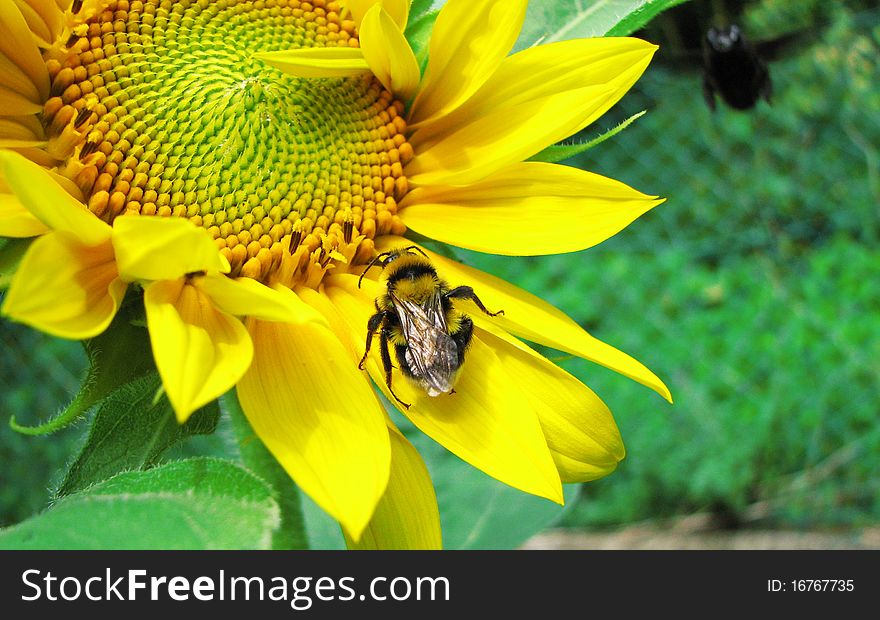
(158, 108)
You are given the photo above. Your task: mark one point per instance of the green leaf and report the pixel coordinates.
(639, 18)
(558, 152)
(131, 432)
(322, 530)
(490, 515)
(418, 34)
(195, 504)
(419, 8)
(11, 251)
(550, 20)
(476, 511)
(119, 355)
(292, 532)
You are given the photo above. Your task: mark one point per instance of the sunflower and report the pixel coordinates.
(278, 146)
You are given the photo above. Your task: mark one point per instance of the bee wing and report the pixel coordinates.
(431, 353)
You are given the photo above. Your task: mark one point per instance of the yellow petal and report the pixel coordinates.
(17, 45)
(544, 70)
(35, 23)
(247, 297)
(407, 516)
(156, 248)
(388, 53)
(17, 80)
(71, 188)
(580, 431)
(397, 9)
(16, 221)
(43, 16)
(533, 319)
(40, 194)
(306, 400)
(21, 129)
(317, 62)
(468, 42)
(21, 144)
(65, 288)
(617, 62)
(321, 305)
(17, 104)
(486, 421)
(200, 352)
(482, 145)
(526, 209)
(14, 103)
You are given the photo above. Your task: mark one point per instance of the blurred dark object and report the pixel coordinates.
(708, 37)
(733, 69)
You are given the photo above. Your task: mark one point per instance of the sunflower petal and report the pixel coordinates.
(407, 516)
(200, 352)
(14, 103)
(35, 23)
(247, 297)
(19, 48)
(484, 421)
(388, 53)
(526, 209)
(481, 145)
(397, 9)
(468, 43)
(64, 288)
(544, 70)
(317, 62)
(307, 402)
(15, 79)
(22, 130)
(40, 194)
(533, 319)
(154, 248)
(16, 221)
(580, 431)
(47, 12)
(324, 308)
(9, 143)
(533, 72)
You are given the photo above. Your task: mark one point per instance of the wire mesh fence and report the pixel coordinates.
(752, 291)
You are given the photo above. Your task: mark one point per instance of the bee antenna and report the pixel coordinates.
(419, 250)
(370, 265)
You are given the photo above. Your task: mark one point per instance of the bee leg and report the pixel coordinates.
(466, 292)
(372, 325)
(462, 337)
(766, 85)
(709, 93)
(387, 365)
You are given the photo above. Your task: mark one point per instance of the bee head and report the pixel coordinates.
(390, 256)
(724, 39)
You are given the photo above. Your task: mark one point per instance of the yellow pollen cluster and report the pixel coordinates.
(159, 108)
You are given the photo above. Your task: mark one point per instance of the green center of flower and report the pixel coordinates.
(159, 108)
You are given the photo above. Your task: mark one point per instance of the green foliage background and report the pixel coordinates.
(752, 292)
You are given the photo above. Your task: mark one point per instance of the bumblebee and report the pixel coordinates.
(415, 315)
(733, 68)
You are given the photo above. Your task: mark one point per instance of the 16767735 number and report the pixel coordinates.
(811, 585)
(822, 585)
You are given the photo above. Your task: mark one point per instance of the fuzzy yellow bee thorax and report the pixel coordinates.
(418, 290)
